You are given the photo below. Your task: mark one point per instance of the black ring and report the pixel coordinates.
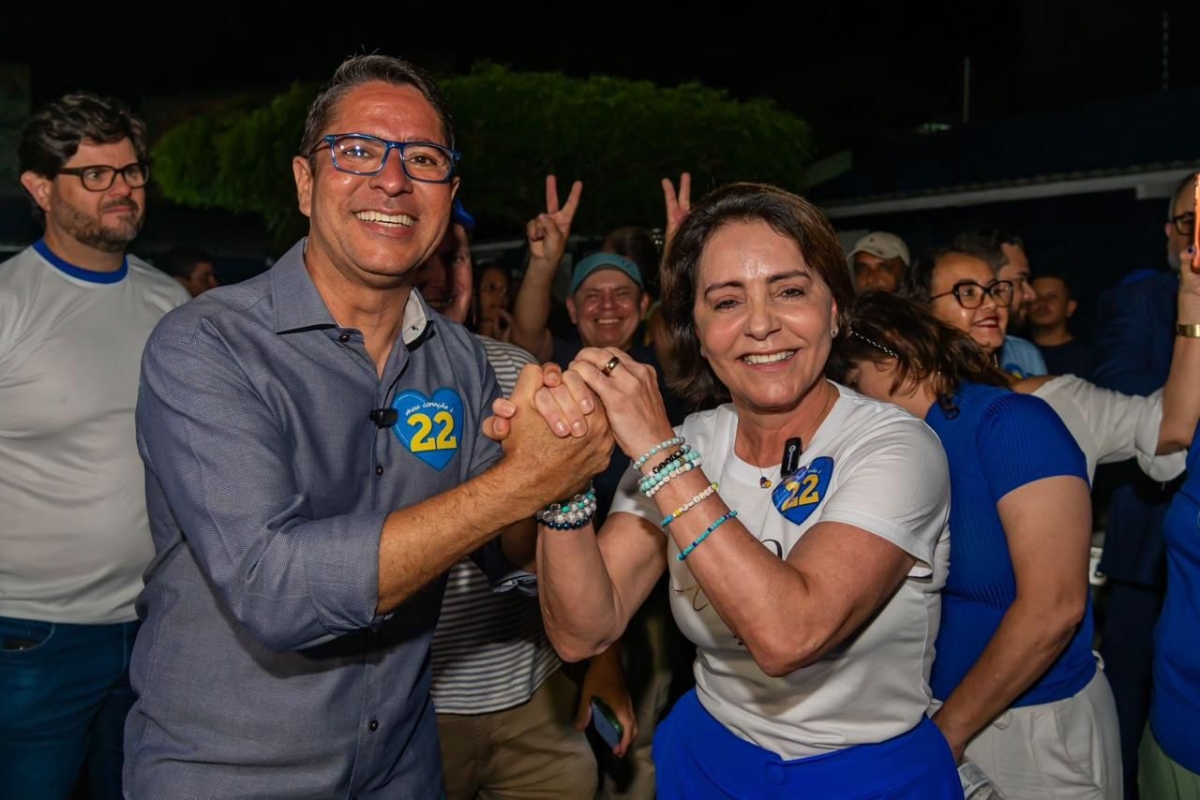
(612, 364)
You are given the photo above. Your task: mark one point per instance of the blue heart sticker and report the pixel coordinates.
(797, 497)
(429, 427)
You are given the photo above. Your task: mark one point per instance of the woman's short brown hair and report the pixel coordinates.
(789, 215)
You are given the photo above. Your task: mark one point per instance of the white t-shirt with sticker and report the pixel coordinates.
(870, 465)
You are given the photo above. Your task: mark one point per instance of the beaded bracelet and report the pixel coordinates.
(652, 483)
(569, 514)
(688, 506)
(671, 459)
(658, 448)
(721, 520)
(675, 473)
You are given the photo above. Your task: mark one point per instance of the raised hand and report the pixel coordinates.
(629, 393)
(553, 465)
(564, 401)
(547, 233)
(678, 204)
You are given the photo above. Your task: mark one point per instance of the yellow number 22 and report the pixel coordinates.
(421, 441)
(808, 496)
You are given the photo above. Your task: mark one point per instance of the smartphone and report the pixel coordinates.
(606, 723)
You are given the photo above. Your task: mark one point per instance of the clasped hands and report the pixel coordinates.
(604, 396)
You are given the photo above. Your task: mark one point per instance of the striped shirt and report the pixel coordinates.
(490, 652)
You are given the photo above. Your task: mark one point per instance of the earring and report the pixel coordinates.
(702, 354)
(834, 332)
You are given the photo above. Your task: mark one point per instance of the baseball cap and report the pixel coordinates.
(598, 261)
(881, 245)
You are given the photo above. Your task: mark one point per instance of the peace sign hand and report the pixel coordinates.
(678, 204)
(547, 233)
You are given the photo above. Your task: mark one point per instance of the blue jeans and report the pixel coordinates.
(66, 692)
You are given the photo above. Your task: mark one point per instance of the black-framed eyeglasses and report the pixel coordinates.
(970, 294)
(361, 154)
(1185, 223)
(100, 178)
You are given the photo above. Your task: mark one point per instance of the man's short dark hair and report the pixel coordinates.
(1058, 277)
(358, 70)
(181, 262)
(53, 134)
(987, 243)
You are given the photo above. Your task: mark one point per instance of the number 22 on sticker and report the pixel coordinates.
(804, 492)
(422, 442)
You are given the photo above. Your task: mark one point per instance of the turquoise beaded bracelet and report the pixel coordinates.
(658, 448)
(652, 483)
(721, 520)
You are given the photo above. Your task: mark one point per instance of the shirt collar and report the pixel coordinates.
(298, 304)
(91, 276)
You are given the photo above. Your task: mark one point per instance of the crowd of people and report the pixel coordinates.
(768, 518)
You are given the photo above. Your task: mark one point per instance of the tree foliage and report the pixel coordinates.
(620, 137)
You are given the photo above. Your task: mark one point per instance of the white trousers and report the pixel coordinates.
(1068, 749)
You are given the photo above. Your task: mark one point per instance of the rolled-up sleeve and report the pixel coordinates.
(217, 457)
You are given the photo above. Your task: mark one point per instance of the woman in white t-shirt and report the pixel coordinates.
(804, 526)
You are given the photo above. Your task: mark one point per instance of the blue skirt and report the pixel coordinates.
(697, 758)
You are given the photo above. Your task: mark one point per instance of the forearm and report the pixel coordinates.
(1022, 649)
(579, 602)
(777, 619)
(519, 544)
(421, 542)
(1181, 395)
(531, 310)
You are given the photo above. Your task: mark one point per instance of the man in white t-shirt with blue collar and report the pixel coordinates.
(75, 313)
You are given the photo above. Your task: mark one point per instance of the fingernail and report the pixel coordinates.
(561, 427)
(579, 428)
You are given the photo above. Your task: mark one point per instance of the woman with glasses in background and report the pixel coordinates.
(961, 290)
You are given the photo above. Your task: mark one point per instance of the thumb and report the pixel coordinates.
(496, 428)
(528, 382)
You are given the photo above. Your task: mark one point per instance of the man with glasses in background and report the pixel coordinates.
(316, 462)
(75, 312)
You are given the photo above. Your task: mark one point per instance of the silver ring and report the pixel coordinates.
(612, 364)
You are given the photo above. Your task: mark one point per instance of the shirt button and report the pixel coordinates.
(345, 337)
(776, 774)
(379, 470)
(373, 725)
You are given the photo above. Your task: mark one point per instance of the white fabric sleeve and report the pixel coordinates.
(1124, 426)
(896, 485)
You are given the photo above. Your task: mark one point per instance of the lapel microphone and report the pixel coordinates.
(792, 451)
(387, 417)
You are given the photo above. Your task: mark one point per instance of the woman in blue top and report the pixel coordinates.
(1019, 690)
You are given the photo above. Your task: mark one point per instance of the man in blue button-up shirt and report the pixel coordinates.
(315, 462)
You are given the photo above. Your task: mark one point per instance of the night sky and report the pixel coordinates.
(858, 76)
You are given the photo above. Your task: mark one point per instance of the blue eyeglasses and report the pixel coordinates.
(361, 154)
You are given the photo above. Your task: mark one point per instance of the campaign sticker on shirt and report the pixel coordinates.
(429, 427)
(799, 495)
